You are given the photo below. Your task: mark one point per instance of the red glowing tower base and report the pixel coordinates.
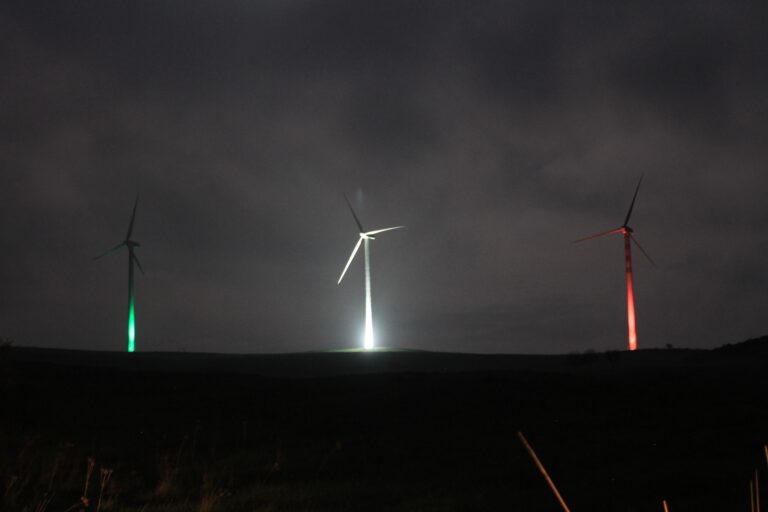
(630, 291)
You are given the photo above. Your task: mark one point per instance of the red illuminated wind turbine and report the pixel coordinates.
(627, 231)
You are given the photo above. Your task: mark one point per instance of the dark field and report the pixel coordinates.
(394, 431)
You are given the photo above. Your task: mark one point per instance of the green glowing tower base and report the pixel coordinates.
(131, 306)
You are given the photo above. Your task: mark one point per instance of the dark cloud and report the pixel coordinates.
(496, 132)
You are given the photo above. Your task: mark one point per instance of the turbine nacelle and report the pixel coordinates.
(363, 236)
(130, 244)
(624, 229)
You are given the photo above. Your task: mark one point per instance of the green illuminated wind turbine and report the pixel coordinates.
(365, 238)
(131, 245)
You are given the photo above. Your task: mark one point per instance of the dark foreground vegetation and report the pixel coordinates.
(388, 431)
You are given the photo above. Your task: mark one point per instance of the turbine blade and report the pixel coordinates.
(382, 230)
(648, 256)
(109, 251)
(360, 226)
(632, 204)
(133, 218)
(136, 259)
(354, 251)
(598, 235)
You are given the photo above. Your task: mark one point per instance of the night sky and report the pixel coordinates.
(497, 132)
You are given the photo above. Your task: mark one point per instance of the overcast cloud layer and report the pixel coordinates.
(497, 132)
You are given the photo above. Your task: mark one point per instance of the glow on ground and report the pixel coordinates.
(375, 349)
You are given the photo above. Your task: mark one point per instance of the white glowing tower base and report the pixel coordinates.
(368, 343)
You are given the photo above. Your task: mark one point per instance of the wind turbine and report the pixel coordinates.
(365, 238)
(627, 231)
(131, 245)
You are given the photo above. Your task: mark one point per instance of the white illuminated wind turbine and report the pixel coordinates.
(365, 238)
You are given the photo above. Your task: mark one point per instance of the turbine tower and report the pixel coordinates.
(627, 231)
(131, 245)
(365, 238)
